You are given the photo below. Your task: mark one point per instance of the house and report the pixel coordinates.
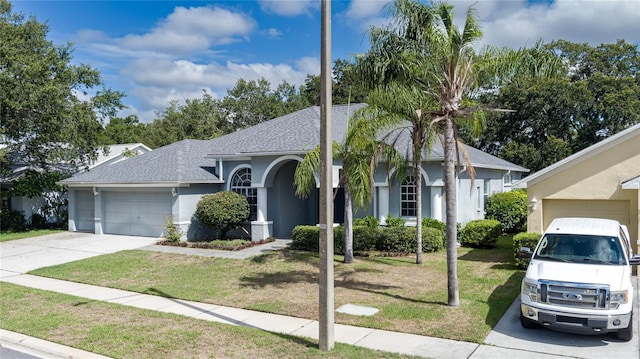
(601, 181)
(27, 206)
(138, 196)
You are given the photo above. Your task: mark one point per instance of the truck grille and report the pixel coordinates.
(575, 295)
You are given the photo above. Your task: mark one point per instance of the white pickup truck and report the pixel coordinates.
(579, 278)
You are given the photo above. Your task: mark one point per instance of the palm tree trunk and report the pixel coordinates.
(452, 215)
(418, 184)
(348, 225)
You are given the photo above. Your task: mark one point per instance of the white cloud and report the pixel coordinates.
(274, 32)
(156, 82)
(365, 9)
(192, 29)
(594, 22)
(288, 7)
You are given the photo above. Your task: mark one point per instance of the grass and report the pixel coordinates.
(411, 298)
(123, 332)
(9, 236)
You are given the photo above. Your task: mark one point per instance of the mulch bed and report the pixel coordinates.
(211, 245)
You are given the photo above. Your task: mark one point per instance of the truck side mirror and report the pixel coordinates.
(635, 260)
(526, 252)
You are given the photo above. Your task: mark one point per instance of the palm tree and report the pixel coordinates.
(361, 149)
(424, 48)
(401, 105)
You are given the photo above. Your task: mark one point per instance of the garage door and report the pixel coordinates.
(136, 213)
(554, 208)
(84, 211)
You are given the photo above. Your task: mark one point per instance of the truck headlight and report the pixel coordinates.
(618, 297)
(530, 289)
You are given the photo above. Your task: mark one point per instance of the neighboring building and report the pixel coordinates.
(30, 205)
(137, 196)
(601, 181)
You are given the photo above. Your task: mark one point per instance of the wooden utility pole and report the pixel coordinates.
(326, 337)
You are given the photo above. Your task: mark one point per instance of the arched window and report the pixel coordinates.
(408, 197)
(241, 183)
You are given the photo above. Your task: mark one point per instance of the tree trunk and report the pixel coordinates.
(451, 211)
(418, 184)
(348, 225)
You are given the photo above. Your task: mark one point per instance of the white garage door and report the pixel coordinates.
(554, 208)
(84, 211)
(136, 213)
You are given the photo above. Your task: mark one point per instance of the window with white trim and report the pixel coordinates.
(241, 183)
(408, 197)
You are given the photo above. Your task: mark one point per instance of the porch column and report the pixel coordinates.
(383, 204)
(436, 203)
(97, 211)
(71, 211)
(261, 228)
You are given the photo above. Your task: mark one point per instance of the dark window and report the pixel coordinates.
(241, 183)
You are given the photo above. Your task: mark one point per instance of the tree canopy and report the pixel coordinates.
(43, 120)
(598, 96)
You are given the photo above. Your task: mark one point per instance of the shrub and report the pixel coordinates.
(365, 238)
(38, 222)
(397, 239)
(368, 221)
(434, 223)
(305, 238)
(171, 232)
(338, 239)
(394, 221)
(509, 208)
(432, 239)
(524, 240)
(482, 233)
(11, 221)
(222, 211)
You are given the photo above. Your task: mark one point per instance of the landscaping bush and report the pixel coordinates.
(394, 221)
(223, 211)
(365, 238)
(432, 239)
(171, 233)
(482, 233)
(397, 239)
(11, 221)
(338, 239)
(508, 208)
(524, 240)
(368, 221)
(39, 222)
(434, 223)
(305, 238)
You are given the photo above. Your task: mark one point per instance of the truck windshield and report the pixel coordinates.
(580, 248)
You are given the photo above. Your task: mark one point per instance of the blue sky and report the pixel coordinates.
(157, 51)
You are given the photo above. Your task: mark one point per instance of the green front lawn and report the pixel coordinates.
(9, 236)
(118, 331)
(411, 298)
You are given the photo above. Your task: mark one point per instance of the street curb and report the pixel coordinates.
(42, 348)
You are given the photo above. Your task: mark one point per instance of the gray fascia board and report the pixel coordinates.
(247, 156)
(136, 185)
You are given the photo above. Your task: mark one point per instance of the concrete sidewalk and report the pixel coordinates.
(529, 344)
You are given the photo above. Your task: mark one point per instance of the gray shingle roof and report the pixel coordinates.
(298, 132)
(180, 162)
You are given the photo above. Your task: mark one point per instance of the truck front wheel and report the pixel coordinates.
(527, 323)
(627, 333)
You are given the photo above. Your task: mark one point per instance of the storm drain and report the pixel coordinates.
(357, 310)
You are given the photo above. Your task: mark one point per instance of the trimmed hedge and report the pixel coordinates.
(434, 223)
(368, 239)
(524, 240)
(369, 221)
(481, 233)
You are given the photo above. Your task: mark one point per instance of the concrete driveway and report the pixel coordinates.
(510, 334)
(21, 256)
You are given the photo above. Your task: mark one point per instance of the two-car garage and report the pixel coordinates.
(126, 212)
